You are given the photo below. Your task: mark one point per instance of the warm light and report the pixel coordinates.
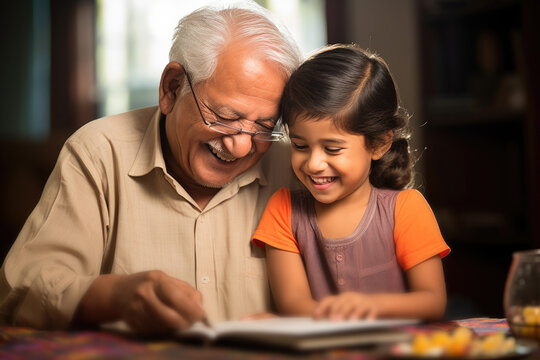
(134, 37)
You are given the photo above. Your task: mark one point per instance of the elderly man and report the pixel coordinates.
(147, 216)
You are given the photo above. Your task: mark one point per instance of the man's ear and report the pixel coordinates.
(172, 79)
(381, 150)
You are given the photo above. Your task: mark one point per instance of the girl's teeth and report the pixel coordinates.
(321, 181)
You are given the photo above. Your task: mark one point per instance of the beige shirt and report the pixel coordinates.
(110, 206)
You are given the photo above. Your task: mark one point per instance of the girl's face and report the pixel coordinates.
(331, 163)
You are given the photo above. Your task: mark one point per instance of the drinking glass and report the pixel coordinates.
(522, 294)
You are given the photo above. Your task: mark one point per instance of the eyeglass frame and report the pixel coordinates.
(274, 135)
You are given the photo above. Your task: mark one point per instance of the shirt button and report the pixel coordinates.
(341, 282)
(339, 257)
(205, 279)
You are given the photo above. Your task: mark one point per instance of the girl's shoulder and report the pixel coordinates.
(410, 197)
(282, 197)
(289, 200)
(403, 194)
(411, 203)
(282, 192)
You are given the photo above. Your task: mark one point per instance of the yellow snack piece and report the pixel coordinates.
(457, 348)
(440, 339)
(492, 344)
(529, 319)
(421, 344)
(461, 342)
(531, 315)
(462, 334)
(509, 345)
(531, 311)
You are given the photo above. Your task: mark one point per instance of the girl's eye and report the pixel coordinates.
(333, 150)
(298, 146)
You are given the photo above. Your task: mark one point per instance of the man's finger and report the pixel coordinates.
(182, 298)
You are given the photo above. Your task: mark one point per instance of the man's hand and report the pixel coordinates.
(156, 302)
(149, 302)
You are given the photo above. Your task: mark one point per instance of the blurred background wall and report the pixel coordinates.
(466, 71)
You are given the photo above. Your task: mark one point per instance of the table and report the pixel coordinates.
(25, 343)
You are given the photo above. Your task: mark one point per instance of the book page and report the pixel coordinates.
(294, 326)
(304, 326)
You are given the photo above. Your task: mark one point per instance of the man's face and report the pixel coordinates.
(243, 89)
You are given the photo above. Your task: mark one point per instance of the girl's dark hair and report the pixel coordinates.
(356, 90)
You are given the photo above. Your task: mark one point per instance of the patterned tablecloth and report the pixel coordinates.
(25, 343)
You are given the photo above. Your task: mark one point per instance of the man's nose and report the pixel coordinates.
(238, 145)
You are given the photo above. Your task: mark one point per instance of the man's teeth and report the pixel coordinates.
(221, 155)
(323, 180)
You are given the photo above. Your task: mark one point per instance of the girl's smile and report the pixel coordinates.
(323, 182)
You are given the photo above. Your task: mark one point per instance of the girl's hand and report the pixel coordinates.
(347, 306)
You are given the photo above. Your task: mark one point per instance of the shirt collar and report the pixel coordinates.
(149, 156)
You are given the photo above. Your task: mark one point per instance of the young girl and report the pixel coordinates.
(358, 243)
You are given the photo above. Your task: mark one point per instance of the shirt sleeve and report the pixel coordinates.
(58, 252)
(416, 233)
(275, 226)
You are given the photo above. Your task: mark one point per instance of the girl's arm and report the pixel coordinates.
(426, 298)
(288, 282)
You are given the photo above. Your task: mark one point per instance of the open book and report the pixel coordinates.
(301, 333)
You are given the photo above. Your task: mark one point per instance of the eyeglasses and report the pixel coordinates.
(223, 128)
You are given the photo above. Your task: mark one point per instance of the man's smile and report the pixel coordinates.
(220, 153)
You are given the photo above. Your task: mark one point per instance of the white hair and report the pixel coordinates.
(201, 36)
